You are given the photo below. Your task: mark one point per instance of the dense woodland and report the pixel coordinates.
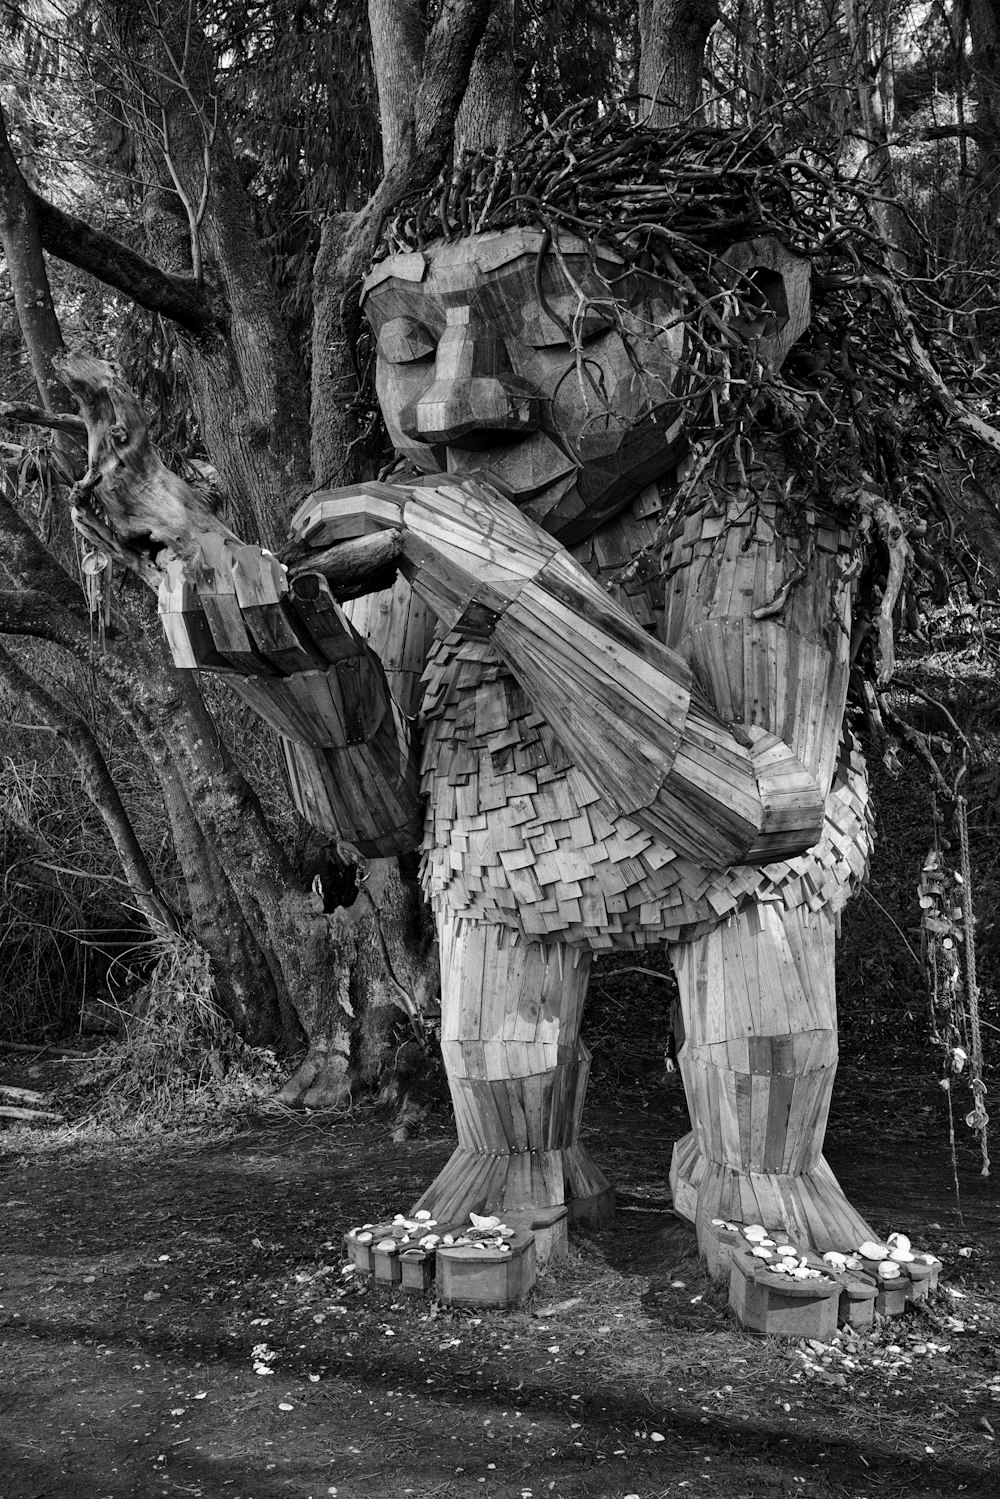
(193, 189)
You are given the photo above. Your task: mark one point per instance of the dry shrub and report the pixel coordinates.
(178, 1061)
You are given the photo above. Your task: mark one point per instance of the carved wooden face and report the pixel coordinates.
(492, 361)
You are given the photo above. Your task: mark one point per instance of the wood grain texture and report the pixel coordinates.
(637, 742)
(510, 1021)
(297, 659)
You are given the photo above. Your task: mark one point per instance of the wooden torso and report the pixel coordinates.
(517, 835)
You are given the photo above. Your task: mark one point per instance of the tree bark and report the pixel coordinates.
(22, 247)
(871, 57)
(398, 35)
(491, 116)
(984, 28)
(247, 385)
(673, 35)
(337, 447)
(36, 314)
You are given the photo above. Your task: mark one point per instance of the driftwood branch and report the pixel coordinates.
(14, 412)
(128, 502)
(24, 1095)
(30, 1116)
(351, 568)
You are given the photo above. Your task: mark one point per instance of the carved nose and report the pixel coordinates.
(475, 394)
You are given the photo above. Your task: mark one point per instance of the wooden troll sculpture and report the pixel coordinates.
(599, 744)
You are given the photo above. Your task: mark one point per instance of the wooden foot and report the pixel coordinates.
(475, 1182)
(810, 1206)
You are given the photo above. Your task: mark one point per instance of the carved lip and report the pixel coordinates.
(519, 472)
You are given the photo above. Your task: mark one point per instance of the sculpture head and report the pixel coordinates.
(568, 371)
(548, 372)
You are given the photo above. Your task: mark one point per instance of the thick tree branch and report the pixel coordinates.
(16, 412)
(27, 611)
(952, 132)
(78, 243)
(20, 238)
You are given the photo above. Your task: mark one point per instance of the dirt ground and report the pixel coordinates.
(175, 1320)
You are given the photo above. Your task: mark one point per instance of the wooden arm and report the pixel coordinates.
(623, 705)
(295, 657)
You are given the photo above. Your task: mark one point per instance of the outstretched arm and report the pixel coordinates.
(288, 649)
(623, 705)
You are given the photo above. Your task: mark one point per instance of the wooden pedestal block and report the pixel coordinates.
(416, 1270)
(550, 1227)
(918, 1276)
(361, 1256)
(387, 1267)
(778, 1306)
(935, 1267)
(891, 1298)
(467, 1276)
(857, 1300)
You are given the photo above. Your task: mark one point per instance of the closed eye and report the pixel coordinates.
(405, 340)
(563, 321)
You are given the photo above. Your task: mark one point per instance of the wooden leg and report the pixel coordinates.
(758, 1061)
(518, 1072)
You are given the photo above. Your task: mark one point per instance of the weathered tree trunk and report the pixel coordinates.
(491, 113)
(984, 28)
(247, 386)
(36, 315)
(673, 35)
(29, 279)
(272, 945)
(388, 960)
(872, 55)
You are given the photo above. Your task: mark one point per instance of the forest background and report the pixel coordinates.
(192, 188)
